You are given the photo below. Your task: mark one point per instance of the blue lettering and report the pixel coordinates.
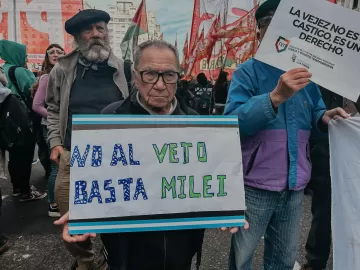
(126, 187)
(95, 192)
(80, 192)
(131, 156)
(96, 158)
(80, 159)
(140, 189)
(107, 187)
(115, 159)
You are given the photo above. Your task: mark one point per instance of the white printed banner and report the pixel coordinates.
(345, 178)
(146, 173)
(319, 35)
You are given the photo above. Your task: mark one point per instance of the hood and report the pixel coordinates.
(13, 53)
(4, 92)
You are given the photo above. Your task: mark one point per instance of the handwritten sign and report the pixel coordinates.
(318, 35)
(150, 173)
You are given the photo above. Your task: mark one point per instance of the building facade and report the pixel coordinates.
(122, 13)
(86, 5)
(353, 4)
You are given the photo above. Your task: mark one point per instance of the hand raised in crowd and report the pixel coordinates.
(289, 84)
(235, 229)
(334, 114)
(56, 153)
(71, 238)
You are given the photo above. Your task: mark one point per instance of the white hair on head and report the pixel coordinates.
(158, 44)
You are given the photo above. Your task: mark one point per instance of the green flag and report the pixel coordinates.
(137, 27)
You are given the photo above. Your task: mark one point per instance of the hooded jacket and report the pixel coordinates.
(14, 54)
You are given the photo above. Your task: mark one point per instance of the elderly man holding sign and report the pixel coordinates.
(160, 223)
(277, 112)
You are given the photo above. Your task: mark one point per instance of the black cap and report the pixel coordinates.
(76, 23)
(265, 7)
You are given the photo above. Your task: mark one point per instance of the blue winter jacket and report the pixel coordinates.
(275, 146)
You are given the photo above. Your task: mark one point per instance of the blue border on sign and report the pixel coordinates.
(156, 221)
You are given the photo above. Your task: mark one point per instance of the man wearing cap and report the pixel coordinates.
(277, 112)
(82, 82)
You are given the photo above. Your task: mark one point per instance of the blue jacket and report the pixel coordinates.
(275, 146)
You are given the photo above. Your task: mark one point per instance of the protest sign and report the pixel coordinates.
(320, 36)
(345, 170)
(149, 173)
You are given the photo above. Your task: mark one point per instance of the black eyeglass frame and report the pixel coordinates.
(160, 74)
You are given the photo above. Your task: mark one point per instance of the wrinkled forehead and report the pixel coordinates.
(159, 59)
(92, 25)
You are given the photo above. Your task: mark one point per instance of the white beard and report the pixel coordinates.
(96, 54)
(96, 51)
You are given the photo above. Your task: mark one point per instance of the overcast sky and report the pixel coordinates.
(172, 15)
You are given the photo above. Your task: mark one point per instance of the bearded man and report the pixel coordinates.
(82, 82)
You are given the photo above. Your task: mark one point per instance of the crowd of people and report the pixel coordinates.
(283, 119)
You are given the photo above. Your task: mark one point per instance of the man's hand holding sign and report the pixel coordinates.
(317, 35)
(144, 186)
(293, 81)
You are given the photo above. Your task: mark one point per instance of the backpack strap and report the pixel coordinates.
(12, 77)
(128, 72)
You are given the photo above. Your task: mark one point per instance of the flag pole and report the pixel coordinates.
(147, 23)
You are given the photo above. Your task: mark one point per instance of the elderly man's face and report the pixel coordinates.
(93, 42)
(94, 31)
(157, 91)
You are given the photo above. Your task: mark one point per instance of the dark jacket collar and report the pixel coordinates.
(132, 106)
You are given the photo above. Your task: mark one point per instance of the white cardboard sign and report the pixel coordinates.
(319, 35)
(146, 173)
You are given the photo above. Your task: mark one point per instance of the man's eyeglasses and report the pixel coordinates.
(152, 76)
(58, 52)
(265, 21)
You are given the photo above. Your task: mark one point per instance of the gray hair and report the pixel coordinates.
(158, 44)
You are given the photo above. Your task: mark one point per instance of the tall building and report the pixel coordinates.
(122, 14)
(87, 5)
(353, 4)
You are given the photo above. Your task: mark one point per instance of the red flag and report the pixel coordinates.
(197, 19)
(199, 46)
(194, 45)
(243, 26)
(185, 52)
(210, 41)
(137, 27)
(140, 18)
(332, 1)
(239, 44)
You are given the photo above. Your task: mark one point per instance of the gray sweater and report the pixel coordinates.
(61, 79)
